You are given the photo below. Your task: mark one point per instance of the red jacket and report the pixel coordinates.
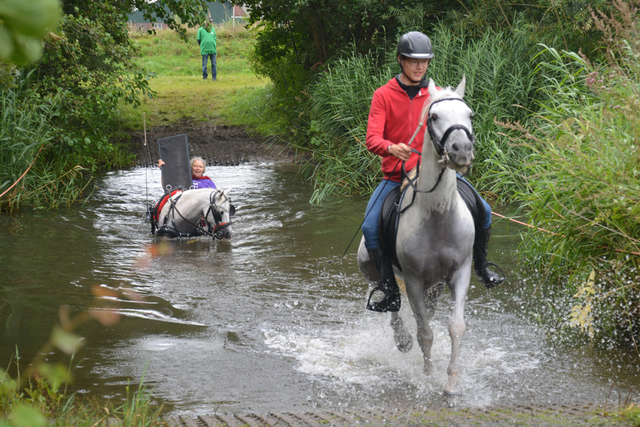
(393, 119)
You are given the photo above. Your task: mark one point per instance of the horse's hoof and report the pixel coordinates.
(428, 368)
(450, 398)
(403, 341)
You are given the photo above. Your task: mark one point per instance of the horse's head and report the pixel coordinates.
(219, 214)
(449, 126)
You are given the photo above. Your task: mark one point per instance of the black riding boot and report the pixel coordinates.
(387, 293)
(480, 250)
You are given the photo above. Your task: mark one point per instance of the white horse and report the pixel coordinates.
(194, 213)
(435, 229)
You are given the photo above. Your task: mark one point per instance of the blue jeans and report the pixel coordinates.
(205, 60)
(372, 214)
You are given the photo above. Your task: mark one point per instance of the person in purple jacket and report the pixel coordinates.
(200, 180)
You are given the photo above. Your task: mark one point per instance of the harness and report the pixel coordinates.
(201, 227)
(216, 212)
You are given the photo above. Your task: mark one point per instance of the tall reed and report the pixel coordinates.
(340, 102)
(585, 191)
(27, 174)
(501, 85)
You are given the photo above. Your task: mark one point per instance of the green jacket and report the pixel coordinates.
(207, 41)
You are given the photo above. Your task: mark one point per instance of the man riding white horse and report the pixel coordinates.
(393, 118)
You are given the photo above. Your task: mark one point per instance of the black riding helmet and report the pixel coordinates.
(415, 45)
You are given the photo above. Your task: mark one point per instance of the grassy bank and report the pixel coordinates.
(180, 91)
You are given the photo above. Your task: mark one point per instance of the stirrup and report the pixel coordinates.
(390, 302)
(491, 283)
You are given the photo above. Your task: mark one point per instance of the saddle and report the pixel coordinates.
(389, 215)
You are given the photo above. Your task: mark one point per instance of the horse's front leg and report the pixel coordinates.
(400, 334)
(459, 287)
(423, 314)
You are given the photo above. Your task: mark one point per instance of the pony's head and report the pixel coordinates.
(219, 214)
(449, 126)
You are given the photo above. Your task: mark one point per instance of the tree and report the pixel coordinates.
(315, 31)
(298, 38)
(60, 111)
(23, 24)
(87, 69)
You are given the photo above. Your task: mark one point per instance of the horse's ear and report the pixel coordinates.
(432, 88)
(460, 89)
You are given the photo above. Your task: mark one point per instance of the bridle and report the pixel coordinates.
(439, 145)
(216, 212)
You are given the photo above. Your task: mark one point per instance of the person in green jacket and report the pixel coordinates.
(207, 42)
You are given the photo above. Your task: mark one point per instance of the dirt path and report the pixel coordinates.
(547, 416)
(218, 145)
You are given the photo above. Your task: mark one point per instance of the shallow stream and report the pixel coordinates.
(273, 319)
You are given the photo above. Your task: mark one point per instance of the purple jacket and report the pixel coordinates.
(203, 182)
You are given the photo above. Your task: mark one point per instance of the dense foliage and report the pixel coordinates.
(22, 26)
(585, 185)
(297, 40)
(86, 70)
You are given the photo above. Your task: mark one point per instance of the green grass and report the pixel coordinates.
(166, 54)
(40, 404)
(181, 93)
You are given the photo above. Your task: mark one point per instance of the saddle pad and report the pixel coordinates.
(157, 208)
(176, 172)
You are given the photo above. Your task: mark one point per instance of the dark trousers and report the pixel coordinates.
(205, 60)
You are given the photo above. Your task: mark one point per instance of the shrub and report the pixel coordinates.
(585, 187)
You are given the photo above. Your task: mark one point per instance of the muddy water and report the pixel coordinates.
(273, 319)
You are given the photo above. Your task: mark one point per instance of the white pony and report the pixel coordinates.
(194, 213)
(435, 229)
